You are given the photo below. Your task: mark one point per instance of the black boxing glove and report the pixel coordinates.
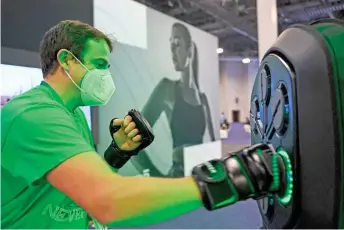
(116, 157)
(250, 173)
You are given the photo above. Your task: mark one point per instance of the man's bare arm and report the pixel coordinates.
(122, 201)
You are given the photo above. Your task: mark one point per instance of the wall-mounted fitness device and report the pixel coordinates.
(297, 106)
(295, 166)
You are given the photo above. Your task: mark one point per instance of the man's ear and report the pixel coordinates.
(62, 58)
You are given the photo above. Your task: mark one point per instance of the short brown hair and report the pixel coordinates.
(71, 35)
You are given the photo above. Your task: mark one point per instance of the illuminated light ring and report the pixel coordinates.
(287, 197)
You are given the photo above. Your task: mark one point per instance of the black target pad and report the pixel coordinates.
(296, 104)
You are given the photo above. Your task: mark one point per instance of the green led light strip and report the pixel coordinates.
(287, 197)
(276, 174)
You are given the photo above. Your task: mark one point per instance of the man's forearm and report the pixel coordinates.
(145, 201)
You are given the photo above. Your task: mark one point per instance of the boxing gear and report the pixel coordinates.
(253, 172)
(116, 157)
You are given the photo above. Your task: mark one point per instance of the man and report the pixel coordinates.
(223, 121)
(51, 175)
(222, 118)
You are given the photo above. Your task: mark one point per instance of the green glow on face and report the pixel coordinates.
(286, 198)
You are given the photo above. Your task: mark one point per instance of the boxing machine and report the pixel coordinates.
(297, 107)
(295, 165)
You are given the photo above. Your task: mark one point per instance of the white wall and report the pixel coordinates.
(236, 80)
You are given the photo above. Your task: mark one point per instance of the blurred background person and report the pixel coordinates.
(223, 121)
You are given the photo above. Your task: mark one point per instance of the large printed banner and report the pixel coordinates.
(169, 71)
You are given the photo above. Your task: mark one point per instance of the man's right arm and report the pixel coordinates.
(47, 138)
(123, 201)
(47, 142)
(138, 201)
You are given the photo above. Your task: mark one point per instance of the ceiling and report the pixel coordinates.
(234, 21)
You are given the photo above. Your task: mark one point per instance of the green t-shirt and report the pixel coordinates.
(37, 134)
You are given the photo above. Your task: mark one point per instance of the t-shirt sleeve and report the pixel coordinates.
(42, 139)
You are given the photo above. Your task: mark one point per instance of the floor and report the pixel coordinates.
(237, 139)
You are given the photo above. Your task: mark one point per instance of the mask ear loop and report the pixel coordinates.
(71, 77)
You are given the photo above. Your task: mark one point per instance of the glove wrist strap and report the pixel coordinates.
(216, 188)
(115, 157)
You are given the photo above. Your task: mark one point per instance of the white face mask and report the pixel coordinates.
(97, 86)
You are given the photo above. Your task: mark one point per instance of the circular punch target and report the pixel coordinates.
(297, 105)
(273, 121)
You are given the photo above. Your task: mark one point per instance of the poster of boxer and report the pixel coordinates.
(168, 70)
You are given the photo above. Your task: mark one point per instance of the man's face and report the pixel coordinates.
(179, 48)
(95, 56)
